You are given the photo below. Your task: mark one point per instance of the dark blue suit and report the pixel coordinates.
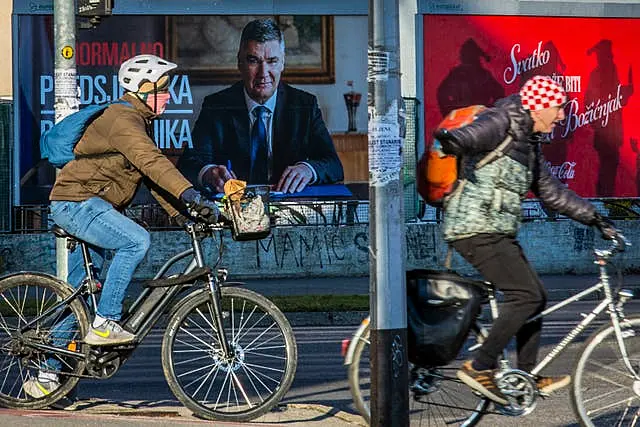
(222, 133)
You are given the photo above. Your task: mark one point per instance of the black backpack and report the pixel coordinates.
(441, 307)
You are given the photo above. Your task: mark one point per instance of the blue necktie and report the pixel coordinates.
(259, 156)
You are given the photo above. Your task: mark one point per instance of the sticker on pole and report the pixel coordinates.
(377, 66)
(67, 52)
(385, 147)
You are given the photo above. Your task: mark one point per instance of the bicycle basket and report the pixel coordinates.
(248, 210)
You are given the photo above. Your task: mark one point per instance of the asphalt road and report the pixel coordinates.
(321, 377)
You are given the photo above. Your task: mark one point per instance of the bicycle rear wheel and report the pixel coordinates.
(24, 298)
(249, 384)
(443, 401)
(604, 391)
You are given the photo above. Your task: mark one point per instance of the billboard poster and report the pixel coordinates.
(479, 59)
(99, 53)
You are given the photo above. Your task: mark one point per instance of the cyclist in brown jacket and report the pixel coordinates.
(116, 153)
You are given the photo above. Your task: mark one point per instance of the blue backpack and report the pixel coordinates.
(57, 143)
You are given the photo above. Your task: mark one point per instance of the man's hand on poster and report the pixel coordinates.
(294, 178)
(216, 176)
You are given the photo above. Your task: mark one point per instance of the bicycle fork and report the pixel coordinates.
(214, 291)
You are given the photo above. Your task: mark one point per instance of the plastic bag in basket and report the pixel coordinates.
(251, 216)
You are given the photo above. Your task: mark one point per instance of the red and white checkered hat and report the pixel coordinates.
(541, 92)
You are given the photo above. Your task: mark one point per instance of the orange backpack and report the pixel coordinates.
(437, 173)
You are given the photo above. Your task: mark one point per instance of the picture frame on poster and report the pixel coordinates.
(205, 47)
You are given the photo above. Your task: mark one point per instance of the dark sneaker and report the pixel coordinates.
(481, 381)
(37, 389)
(550, 384)
(109, 333)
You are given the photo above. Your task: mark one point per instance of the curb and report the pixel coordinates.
(149, 410)
(328, 410)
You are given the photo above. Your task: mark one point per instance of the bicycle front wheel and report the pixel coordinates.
(438, 398)
(605, 391)
(253, 379)
(32, 327)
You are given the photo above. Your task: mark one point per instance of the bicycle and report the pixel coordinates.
(227, 353)
(605, 387)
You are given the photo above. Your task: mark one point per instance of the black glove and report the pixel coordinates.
(606, 227)
(449, 143)
(200, 206)
(180, 220)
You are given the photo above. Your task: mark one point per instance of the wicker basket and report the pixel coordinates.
(248, 210)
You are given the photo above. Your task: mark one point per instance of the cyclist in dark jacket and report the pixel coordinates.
(483, 214)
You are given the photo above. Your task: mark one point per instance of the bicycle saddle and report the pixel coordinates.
(61, 232)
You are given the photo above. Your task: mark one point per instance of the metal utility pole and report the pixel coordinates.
(389, 373)
(66, 92)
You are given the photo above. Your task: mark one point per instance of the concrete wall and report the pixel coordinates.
(553, 247)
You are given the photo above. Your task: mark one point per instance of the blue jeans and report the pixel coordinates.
(96, 222)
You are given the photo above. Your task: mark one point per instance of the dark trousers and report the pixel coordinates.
(500, 260)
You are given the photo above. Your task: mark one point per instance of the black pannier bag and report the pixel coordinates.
(441, 307)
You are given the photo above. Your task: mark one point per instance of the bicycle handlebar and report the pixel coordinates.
(618, 244)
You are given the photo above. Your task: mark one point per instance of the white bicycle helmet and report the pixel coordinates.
(142, 68)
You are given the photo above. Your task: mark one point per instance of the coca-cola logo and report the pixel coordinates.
(564, 171)
(538, 58)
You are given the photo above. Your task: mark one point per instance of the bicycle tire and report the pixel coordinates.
(262, 374)
(604, 393)
(24, 297)
(450, 402)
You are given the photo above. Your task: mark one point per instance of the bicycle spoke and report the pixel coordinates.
(260, 345)
(197, 338)
(195, 348)
(213, 328)
(193, 371)
(226, 378)
(244, 394)
(192, 360)
(208, 374)
(14, 309)
(253, 384)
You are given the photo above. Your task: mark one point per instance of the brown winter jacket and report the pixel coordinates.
(120, 154)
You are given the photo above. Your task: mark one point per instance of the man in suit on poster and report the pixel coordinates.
(261, 130)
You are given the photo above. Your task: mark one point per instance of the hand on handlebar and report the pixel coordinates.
(606, 227)
(610, 232)
(199, 206)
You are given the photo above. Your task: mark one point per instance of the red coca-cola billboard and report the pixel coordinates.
(479, 59)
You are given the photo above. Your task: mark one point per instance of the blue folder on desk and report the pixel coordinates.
(311, 191)
(329, 190)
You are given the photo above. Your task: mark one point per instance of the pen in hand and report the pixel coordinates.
(230, 172)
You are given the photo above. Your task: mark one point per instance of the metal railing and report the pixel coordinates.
(34, 218)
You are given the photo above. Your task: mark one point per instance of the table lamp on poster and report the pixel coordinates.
(352, 100)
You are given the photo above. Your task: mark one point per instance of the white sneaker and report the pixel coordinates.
(109, 333)
(36, 388)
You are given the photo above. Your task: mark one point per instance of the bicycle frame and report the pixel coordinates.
(152, 302)
(613, 305)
